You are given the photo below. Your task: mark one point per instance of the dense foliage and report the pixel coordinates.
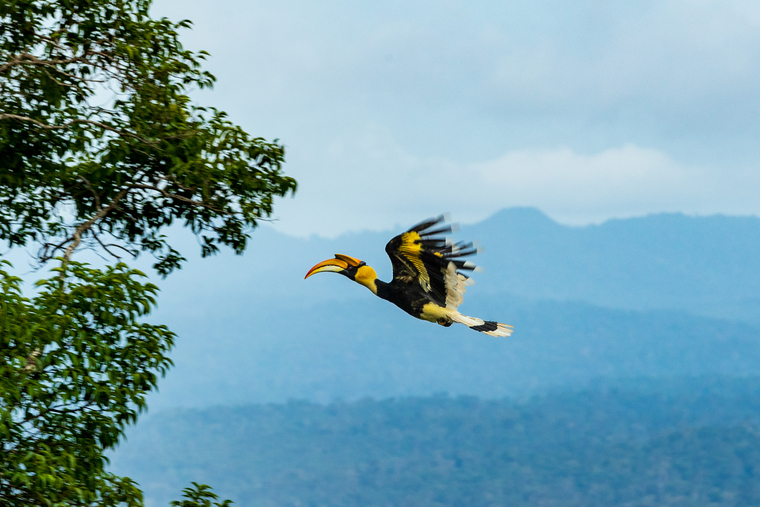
(100, 146)
(99, 139)
(688, 443)
(75, 366)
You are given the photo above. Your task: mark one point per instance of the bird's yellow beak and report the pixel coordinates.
(339, 263)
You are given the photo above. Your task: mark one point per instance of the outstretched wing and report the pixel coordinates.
(422, 255)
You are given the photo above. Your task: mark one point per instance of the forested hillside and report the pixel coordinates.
(637, 297)
(687, 442)
(631, 379)
(701, 265)
(367, 347)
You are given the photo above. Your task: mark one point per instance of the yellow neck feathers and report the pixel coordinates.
(366, 276)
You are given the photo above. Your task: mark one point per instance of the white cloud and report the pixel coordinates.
(374, 183)
(580, 188)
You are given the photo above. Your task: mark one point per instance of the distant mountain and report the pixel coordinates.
(640, 337)
(703, 265)
(360, 348)
(631, 298)
(671, 444)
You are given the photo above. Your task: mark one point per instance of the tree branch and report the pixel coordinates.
(89, 187)
(183, 199)
(66, 125)
(106, 246)
(30, 59)
(48, 249)
(76, 238)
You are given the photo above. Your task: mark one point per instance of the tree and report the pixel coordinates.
(101, 147)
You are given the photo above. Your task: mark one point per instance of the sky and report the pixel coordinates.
(394, 111)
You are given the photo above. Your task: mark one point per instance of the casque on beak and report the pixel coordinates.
(338, 264)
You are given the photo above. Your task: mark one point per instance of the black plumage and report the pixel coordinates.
(428, 276)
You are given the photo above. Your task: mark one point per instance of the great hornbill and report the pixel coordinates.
(426, 282)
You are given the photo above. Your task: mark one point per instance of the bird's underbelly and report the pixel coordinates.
(435, 313)
(428, 311)
(417, 304)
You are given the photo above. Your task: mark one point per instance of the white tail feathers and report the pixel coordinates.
(488, 327)
(456, 286)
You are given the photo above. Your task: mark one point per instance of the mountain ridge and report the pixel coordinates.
(690, 441)
(638, 263)
(251, 328)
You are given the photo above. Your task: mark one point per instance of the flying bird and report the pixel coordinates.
(427, 280)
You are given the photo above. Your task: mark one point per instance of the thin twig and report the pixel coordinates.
(106, 247)
(46, 253)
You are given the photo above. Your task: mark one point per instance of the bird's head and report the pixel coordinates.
(354, 269)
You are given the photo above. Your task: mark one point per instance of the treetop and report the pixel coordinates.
(100, 142)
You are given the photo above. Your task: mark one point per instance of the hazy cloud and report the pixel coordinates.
(374, 183)
(636, 107)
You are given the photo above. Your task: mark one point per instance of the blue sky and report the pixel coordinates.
(394, 111)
